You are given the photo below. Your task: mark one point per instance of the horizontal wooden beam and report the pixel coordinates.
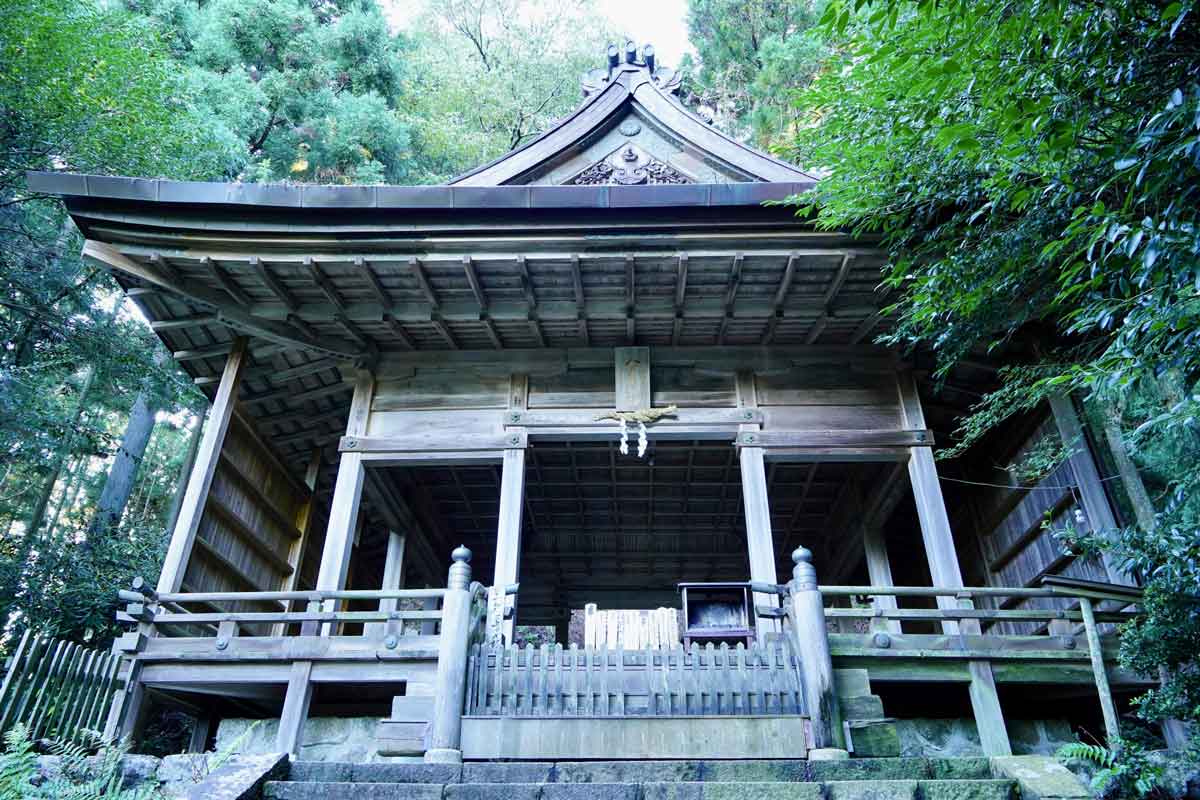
(513, 440)
(835, 438)
(585, 418)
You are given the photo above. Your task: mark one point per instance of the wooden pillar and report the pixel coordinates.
(760, 543)
(203, 468)
(879, 572)
(347, 495)
(303, 522)
(1112, 728)
(295, 709)
(759, 540)
(945, 570)
(508, 545)
(393, 578)
(1091, 490)
(445, 729)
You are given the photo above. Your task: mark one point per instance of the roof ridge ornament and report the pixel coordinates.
(630, 70)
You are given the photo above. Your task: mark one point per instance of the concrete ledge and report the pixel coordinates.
(566, 738)
(1040, 777)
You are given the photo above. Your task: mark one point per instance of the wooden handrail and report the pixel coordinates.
(305, 596)
(254, 617)
(937, 591)
(925, 614)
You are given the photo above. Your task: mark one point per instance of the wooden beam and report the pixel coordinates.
(831, 291)
(508, 543)
(372, 281)
(226, 282)
(200, 481)
(347, 495)
(914, 439)
(273, 330)
(296, 703)
(1087, 475)
(731, 290)
(274, 286)
(945, 570)
(398, 331)
(580, 301)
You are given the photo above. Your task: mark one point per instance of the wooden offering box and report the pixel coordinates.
(717, 612)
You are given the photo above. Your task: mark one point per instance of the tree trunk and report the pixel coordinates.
(1143, 506)
(70, 490)
(185, 472)
(38, 515)
(123, 471)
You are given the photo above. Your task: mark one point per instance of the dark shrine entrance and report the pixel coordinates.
(621, 532)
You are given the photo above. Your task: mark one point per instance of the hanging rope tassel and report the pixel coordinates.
(624, 438)
(643, 440)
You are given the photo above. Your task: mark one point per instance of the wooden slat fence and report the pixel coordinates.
(550, 681)
(58, 689)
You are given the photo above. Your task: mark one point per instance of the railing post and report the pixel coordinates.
(807, 611)
(1108, 708)
(450, 690)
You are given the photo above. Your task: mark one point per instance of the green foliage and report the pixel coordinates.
(80, 776)
(1125, 773)
(18, 764)
(752, 57)
(307, 91)
(488, 75)
(1032, 168)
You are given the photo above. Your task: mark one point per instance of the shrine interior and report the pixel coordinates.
(622, 532)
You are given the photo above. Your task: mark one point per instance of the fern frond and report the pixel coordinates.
(18, 765)
(1091, 753)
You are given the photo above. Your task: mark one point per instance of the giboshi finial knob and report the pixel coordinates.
(461, 554)
(801, 554)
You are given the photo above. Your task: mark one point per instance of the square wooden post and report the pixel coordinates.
(945, 571)
(347, 495)
(760, 541)
(205, 465)
(508, 545)
(393, 578)
(879, 572)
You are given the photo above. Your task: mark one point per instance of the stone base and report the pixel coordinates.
(828, 754)
(443, 755)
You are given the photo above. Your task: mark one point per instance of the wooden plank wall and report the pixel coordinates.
(550, 681)
(835, 392)
(1017, 547)
(248, 539)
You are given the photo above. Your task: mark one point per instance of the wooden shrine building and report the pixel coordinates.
(406, 379)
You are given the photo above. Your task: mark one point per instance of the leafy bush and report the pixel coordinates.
(1122, 773)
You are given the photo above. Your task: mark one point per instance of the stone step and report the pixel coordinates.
(981, 789)
(647, 771)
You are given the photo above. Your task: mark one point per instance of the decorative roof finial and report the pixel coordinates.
(625, 70)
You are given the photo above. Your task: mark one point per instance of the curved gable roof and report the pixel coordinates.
(633, 90)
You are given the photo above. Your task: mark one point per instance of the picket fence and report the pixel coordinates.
(58, 689)
(550, 681)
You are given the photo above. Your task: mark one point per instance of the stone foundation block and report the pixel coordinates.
(731, 791)
(871, 790)
(968, 790)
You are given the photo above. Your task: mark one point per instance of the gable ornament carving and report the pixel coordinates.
(629, 166)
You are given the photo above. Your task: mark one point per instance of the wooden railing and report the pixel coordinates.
(967, 610)
(166, 614)
(58, 689)
(601, 682)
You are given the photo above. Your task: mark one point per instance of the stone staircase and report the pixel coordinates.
(857, 779)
